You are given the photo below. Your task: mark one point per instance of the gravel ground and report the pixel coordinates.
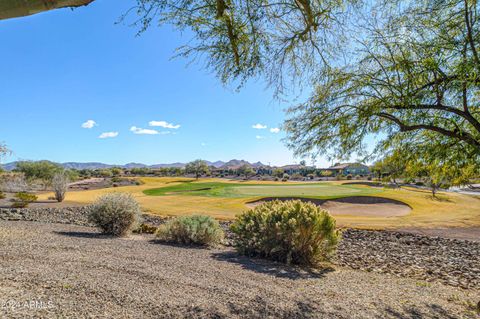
(451, 261)
(67, 271)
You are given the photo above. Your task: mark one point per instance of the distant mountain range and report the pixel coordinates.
(232, 164)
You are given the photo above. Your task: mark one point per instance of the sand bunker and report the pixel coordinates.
(367, 206)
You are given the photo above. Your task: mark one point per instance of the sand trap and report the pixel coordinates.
(367, 206)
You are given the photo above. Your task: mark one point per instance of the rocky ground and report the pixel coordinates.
(450, 261)
(69, 271)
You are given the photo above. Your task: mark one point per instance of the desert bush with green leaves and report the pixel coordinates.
(115, 214)
(293, 232)
(196, 230)
(23, 199)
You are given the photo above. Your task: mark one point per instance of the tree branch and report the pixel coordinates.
(464, 136)
(20, 8)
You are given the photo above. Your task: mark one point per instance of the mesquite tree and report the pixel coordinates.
(405, 71)
(20, 8)
(197, 167)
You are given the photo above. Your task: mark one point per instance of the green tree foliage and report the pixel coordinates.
(325, 173)
(246, 38)
(409, 72)
(392, 166)
(415, 80)
(141, 171)
(437, 174)
(41, 170)
(278, 172)
(246, 171)
(197, 168)
(116, 171)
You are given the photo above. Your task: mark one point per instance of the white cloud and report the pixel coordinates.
(259, 137)
(138, 130)
(108, 135)
(259, 126)
(89, 124)
(275, 130)
(164, 124)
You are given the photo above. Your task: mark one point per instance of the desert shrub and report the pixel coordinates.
(13, 182)
(23, 199)
(145, 229)
(60, 185)
(117, 179)
(296, 177)
(291, 231)
(115, 213)
(2, 195)
(196, 229)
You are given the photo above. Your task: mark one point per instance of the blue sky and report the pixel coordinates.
(65, 67)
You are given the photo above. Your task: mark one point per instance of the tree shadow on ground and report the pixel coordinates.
(261, 307)
(430, 311)
(439, 198)
(83, 234)
(177, 245)
(275, 269)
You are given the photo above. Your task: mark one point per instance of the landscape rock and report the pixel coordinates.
(451, 261)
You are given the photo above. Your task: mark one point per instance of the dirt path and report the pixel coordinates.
(70, 271)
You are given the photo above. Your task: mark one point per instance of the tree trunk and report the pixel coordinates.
(20, 8)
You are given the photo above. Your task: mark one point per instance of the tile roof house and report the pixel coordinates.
(350, 169)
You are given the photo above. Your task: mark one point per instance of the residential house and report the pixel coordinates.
(353, 169)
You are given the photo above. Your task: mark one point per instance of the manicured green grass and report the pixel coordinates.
(227, 198)
(241, 190)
